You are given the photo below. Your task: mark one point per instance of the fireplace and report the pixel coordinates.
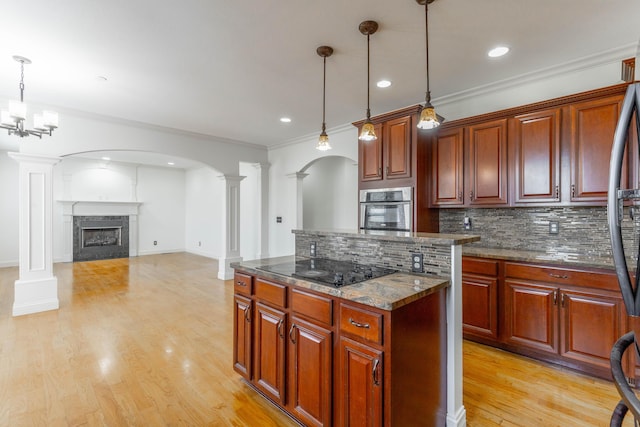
(100, 237)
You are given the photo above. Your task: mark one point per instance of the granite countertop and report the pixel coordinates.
(559, 258)
(388, 292)
(398, 236)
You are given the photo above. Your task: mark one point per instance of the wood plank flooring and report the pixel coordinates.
(147, 342)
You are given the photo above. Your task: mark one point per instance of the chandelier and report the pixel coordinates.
(14, 118)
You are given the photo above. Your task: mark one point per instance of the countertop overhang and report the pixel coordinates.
(387, 292)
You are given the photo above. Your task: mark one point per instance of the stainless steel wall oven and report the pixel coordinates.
(386, 209)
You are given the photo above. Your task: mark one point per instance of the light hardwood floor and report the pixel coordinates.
(147, 342)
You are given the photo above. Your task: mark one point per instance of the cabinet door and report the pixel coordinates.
(397, 148)
(310, 373)
(536, 144)
(242, 336)
(480, 306)
(590, 324)
(593, 124)
(269, 371)
(447, 168)
(360, 385)
(531, 316)
(370, 161)
(488, 163)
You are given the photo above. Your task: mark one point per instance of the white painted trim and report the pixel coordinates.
(456, 413)
(34, 296)
(9, 264)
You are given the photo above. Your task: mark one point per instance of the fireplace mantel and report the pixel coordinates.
(71, 208)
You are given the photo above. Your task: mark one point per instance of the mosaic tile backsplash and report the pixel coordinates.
(390, 254)
(582, 230)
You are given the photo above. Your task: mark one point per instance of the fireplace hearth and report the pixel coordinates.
(100, 237)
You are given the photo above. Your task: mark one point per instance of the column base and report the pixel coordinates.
(459, 419)
(225, 272)
(34, 296)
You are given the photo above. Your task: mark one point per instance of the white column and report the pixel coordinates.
(456, 413)
(299, 198)
(263, 206)
(36, 289)
(231, 226)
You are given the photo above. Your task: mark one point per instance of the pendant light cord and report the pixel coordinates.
(426, 31)
(368, 82)
(324, 89)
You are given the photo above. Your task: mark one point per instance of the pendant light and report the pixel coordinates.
(368, 133)
(428, 117)
(323, 140)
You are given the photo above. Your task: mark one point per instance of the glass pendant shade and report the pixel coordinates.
(368, 132)
(50, 119)
(38, 122)
(428, 118)
(323, 142)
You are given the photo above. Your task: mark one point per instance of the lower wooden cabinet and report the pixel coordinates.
(480, 298)
(361, 384)
(327, 361)
(310, 372)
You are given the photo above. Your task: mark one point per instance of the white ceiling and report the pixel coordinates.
(231, 69)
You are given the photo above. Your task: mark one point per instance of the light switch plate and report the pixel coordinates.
(312, 249)
(416, 263)
(554, 227)
(467, 223)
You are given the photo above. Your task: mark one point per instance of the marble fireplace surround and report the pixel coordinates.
(71, 208)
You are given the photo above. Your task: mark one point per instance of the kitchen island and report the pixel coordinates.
(383, 351)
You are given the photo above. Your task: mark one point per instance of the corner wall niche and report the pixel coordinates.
(99, 229)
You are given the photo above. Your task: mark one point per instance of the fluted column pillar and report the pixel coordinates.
(231, 226)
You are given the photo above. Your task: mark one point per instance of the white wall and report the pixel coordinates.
(249, 212)
(8, 211)
(204, 194)
(330, 194)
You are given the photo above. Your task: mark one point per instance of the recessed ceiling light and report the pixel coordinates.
(106, 158)
(285, 119)
(170, 163)
(383, 83)
(101, 79)
(498, 51)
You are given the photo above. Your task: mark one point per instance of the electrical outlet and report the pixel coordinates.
(554, 227)
(155, 243)
(312, 250)
(416, 263)
(467, 223)
(279, 219)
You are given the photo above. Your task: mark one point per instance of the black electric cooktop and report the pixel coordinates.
(327, 271)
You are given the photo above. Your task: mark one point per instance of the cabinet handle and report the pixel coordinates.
(559, 276)
(555, 297)
(374, 372)
(460, 196)
(380, 172)
(557, 193)
(247, 314)
(239, 283)
(471, 195)
(293, 326)
(387, 170)
(358, 325)
(573, 191)
(280, 331)
(562, 300)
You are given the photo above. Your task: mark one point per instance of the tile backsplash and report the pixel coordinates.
(582, 230)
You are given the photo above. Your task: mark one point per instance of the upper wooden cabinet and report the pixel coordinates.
(469, 166)
(535, 141)
(389, 156)
(487, 182)
(593, 124)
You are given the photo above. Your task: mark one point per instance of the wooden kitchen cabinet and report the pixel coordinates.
(480, 299)
(487, 178)
(370, 157)
(469, 166)
(387, 158)
(447, 158)
(310, 372)
(573, 315)
(535, 140)
(593, 124)
(361, 384)
(270, 351)
(242, 336)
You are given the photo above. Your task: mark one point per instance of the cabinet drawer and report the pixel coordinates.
(485, 267)
(565, 276)
(270, 292)
(242, 283)
(312, 306)
(361, 323)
